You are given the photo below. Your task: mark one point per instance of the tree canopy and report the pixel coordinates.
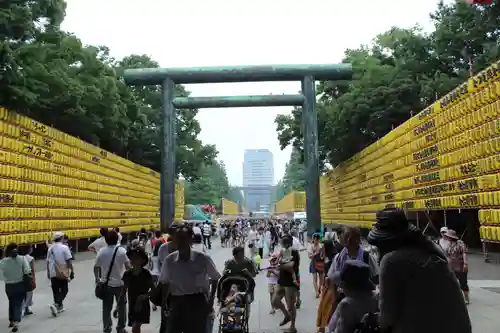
(402, 72)
(211, 185)
(294, 177)
(49, 75)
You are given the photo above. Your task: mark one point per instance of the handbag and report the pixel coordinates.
(100, 288)
(61, 271)
(27, 277)
(319, 263)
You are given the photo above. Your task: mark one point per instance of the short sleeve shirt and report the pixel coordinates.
(455, 253)
(103, 261)
(98, 244)
(57, 253)
(188, 277)
(237, 267)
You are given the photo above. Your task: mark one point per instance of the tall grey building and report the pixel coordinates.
(258, 179)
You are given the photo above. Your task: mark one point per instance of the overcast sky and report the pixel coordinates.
(222, 32)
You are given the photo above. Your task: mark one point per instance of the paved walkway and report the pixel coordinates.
(83, 314)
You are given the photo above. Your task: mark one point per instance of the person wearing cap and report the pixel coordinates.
(355, 281)
(414, 266)
(189, 280)
(60, 271)
(137, 286)
(456, 252)
(443, 242)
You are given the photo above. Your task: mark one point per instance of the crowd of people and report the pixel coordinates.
(409, 284)
(402, 282)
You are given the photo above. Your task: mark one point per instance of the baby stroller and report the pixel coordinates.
(234, 318)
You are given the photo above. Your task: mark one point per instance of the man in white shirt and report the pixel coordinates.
(60, 271)
(259, 242)
(207, 233)
(197, 230)
(252, 234)
(296, 244)
(302, 231)
(104, 265)
(100, 242)
(188, 277)
(120, 237)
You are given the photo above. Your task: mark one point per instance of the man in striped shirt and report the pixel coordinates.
(207, 233)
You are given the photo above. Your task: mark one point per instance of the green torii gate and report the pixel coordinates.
(307, 74)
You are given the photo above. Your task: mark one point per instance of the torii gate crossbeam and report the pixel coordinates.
(307, 74)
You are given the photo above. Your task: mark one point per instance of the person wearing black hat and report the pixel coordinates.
(355, 281)
(137, 284)
(413, 266)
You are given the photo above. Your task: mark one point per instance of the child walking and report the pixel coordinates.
(138, 283)
(272, 275)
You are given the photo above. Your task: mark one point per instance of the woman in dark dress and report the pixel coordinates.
(138, 283)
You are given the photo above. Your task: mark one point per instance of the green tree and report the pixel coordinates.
(234, 194)
(191, 153)
(402, 72)
(211, 185)
(49, 75)
(294, 177)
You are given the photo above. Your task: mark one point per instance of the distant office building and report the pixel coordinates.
(258, 179)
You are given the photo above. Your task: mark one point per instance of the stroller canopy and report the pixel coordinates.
(245, 284)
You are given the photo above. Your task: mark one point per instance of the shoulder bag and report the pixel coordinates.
(61, 271)
(100, 288)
